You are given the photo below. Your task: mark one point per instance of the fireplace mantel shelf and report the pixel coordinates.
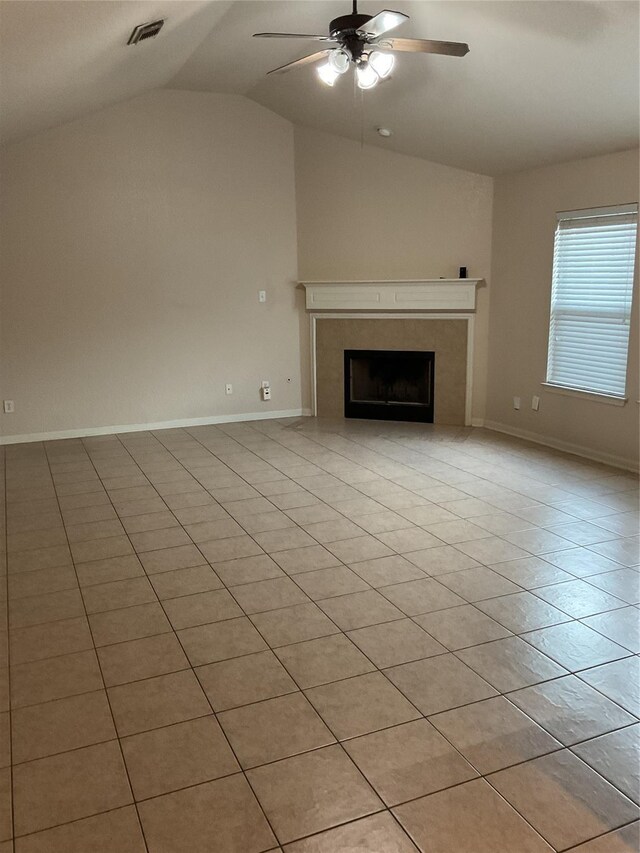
(435, 294)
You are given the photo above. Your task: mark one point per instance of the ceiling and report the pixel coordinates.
(544, 82)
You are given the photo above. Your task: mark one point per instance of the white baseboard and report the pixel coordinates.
(566, 446)
(477, 422)
(184, 422)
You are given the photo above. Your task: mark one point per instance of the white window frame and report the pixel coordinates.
(553, 381)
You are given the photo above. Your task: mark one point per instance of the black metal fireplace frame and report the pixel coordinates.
(388, 411)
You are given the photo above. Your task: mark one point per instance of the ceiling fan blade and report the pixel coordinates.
(298, 63)
(291, 36)
(447, 48)
(382, 23)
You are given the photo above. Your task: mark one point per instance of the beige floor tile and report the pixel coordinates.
(625, 840)
(439, 683)
(263, 522)
(177, 756)
(396, 642)
(217, 816)
(156, 540)
(440, 560)
(150, 521)
(5, 740)
(130, 623)
(201, 608)
(138, 659)
(409, 539)
(221, 550)
(244, 680)
(69, 786)
(359, 548)
(564, 799)
(171, 559)
(531, 572)
(581, 562)
(248, 570)
(575, 646)
(522, 611)
(54, 678)
(109, 570)
(274, 729)
(469, 818)
(35, 539)
(117, 831)
(615, 756)
(384, 571)
(293, 624)
(117, 594)
(41, 581)
(6, 805)
(382, 522)
(359, 609)
(323, 660)
(624, 584)
(312, 792)
(421, 596)
(478, 584)
(362, 704)
(50, 640)
(101, 549)
(268, 595)
(185, 582)
(379, 832)
(313, 513)
(91, 530)
(207, 531)
(460, 627)
(61, 725)
(220, 641)
(37, 609)
(326, 583)
(494, 734)
(195, 514)
(623, 551)
(579, 598)
(491, 550)
(297, 560)
(620, 681)
(156, 702)
(408, 761)
(621, 626)
(510, 664)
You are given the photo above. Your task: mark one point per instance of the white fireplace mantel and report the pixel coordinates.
(430, 294)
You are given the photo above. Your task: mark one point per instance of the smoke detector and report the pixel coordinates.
(145, 31)
(384, 131)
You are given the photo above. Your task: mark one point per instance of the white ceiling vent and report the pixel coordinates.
(145, 31)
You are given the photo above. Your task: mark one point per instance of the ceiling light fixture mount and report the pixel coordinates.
(359, 41)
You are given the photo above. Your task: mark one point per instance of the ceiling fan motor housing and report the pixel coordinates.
(348, 24)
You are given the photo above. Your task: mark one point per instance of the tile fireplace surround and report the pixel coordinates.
(424, 315)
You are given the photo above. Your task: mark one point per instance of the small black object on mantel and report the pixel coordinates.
(462, 272)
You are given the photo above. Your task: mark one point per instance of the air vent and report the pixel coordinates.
(145, 31)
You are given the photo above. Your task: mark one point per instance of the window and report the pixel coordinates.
(593, 263)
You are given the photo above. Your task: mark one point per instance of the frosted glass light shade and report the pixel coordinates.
(382, 63)
(366, 75)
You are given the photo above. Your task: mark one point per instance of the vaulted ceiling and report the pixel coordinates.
(544, 81)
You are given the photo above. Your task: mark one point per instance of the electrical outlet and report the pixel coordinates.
(228, 388)
(9, 407)
(266, 393)
(535, 403)
(262, 296)
(516, 403)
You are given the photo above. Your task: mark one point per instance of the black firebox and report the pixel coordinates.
(389, 385)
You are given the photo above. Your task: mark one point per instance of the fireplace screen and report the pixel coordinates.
(389, 385)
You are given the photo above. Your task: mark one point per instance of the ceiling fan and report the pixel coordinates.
(360, 40)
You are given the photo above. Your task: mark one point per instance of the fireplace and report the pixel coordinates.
(389, 385)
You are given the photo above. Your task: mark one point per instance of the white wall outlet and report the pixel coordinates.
(262, 296)
(228, 388)
(265, 383)
(266, 393)
(516, 403)
(535, 403)
(9, 407)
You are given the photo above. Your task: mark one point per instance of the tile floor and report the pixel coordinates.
(317, 637)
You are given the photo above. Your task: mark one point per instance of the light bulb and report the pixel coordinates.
(382, 63)
(339, 60)
(367, 77)
(327, 73)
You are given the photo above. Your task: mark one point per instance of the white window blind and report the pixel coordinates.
(593, 264)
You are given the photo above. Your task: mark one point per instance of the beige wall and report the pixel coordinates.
(366, 213)
(525, 207)
(134, 243)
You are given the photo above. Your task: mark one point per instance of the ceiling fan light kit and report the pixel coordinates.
(359, 40)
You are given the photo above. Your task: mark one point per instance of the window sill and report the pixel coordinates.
(585, 395)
